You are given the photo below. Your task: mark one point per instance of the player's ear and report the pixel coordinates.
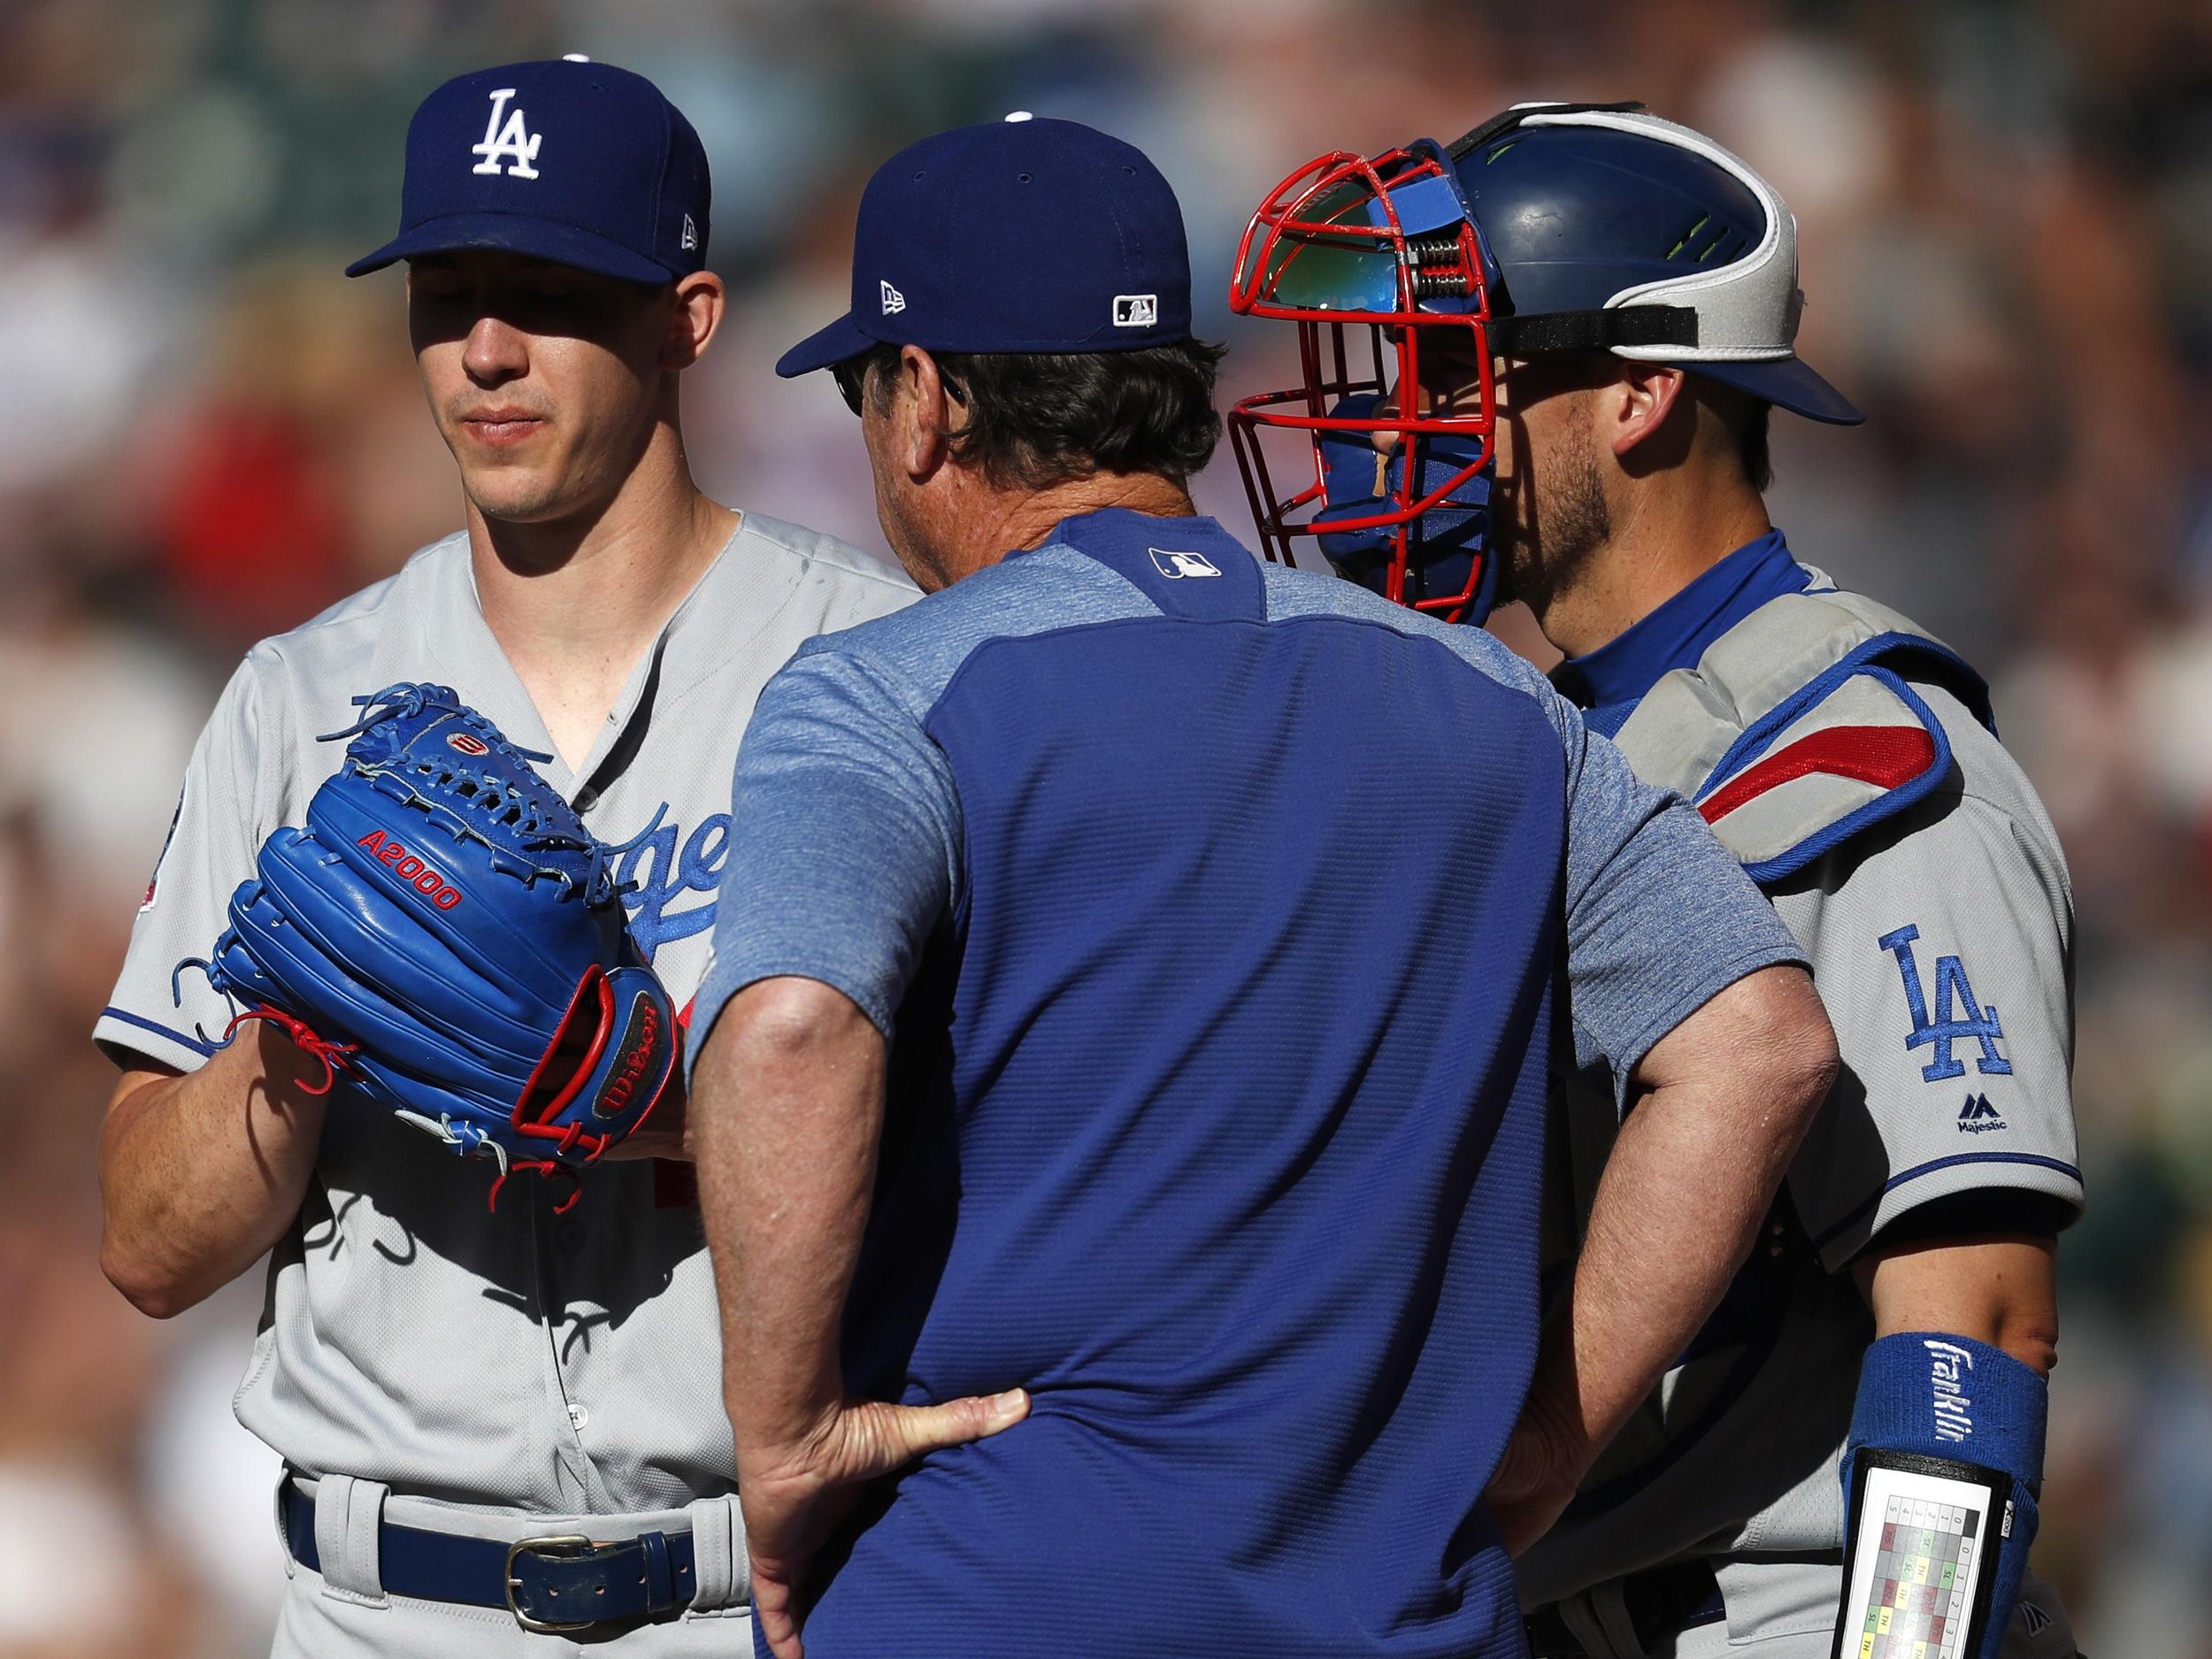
(695, 313)
(925, 412)
(1646, 417)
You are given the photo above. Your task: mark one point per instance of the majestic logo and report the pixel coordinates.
(1136, 311)
(1948, 1368)
(1176, 567)
(467, 742)
(514, 143)
(2033, 1617)
(411, 868)
(1954, 992)
(893, 300)
(691, 233)
(1977, 1117)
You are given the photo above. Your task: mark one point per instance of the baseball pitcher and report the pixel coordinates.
(452, 848)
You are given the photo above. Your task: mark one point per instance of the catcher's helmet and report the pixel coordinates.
(1553, 227)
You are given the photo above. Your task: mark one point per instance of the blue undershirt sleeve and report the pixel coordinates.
(844, 837)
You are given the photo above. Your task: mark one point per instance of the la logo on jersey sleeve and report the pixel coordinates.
(1955, 1015)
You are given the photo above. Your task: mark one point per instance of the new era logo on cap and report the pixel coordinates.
(893, 300)
(1136, 311)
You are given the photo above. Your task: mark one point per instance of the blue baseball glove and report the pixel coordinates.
(447, 938)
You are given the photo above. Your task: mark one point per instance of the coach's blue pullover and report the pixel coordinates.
(1214, 911)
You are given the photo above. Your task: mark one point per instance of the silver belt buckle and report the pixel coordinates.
(561, 1544)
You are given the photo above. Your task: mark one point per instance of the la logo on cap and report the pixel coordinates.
(518, 145)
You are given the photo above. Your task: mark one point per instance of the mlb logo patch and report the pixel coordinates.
(1136, 311)
(1176, 567)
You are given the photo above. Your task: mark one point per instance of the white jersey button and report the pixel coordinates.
(576, 1415)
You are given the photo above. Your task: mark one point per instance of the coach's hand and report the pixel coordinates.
(1536, 1477)
(793, 1502)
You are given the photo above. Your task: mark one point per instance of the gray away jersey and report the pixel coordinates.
(1941, 939)
(567, 1364)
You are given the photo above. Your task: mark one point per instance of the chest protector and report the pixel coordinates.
(1799, 727)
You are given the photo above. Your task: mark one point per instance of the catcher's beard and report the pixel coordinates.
(1551, 518)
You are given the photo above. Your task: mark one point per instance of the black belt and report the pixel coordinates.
(558, 1583)
(1659, 1603)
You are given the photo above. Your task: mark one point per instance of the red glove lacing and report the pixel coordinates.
(332, 1054)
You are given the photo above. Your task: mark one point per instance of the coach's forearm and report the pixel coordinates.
(786, 1110)
(1731, 1093)
(202, 1172)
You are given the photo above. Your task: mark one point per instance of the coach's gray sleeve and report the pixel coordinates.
(844, 839)
(1660, 918)
(159, 1009)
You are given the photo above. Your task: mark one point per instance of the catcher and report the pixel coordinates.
(510, 1419)
(1539, 366)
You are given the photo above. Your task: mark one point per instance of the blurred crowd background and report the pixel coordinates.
(206, 435)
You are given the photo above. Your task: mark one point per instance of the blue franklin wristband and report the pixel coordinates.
(1940, 1408)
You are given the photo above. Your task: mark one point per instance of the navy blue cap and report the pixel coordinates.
(578, 163)
(1015, 235)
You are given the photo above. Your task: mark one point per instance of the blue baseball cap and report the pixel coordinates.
(578, 163)
(1014, 235)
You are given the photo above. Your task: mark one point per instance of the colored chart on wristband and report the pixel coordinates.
(1915, 1573)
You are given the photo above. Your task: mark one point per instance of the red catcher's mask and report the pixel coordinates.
(1371, 258)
